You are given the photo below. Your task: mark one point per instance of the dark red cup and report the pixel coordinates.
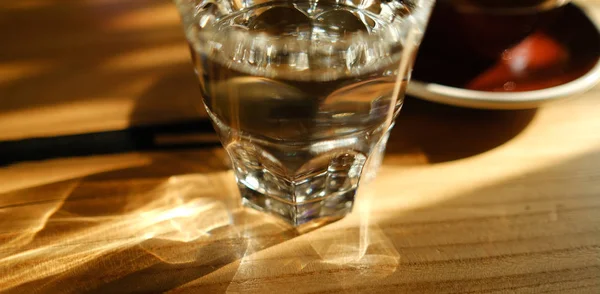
(489, 27)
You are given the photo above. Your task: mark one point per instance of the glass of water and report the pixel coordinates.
(303, 93)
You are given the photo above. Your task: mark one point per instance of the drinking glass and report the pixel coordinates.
(303, 93)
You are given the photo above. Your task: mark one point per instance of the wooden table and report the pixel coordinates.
(467, 201)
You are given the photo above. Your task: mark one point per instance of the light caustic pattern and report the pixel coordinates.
(193, 219)
(354, 247)
(175, 210)
(350, 249)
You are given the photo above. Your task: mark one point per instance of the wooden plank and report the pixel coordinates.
(74, 67)
(466, 202)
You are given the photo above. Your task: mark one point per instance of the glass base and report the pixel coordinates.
(322, 192)
(297, 184)
(325, 209)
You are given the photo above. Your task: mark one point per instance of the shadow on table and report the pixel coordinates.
(427, 132)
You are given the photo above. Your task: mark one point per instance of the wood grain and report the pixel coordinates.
(85, 66)
(467, 201)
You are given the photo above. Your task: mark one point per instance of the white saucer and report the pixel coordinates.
(498, 100)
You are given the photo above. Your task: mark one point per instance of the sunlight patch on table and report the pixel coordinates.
(181, 209)
(32, 174)
(22, 221)
(150, 17)
(14, 71)
(149, 58)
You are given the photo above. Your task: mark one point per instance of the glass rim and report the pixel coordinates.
(419, 16)
(361, 52)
